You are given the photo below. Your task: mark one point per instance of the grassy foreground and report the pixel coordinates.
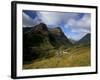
(72, 57)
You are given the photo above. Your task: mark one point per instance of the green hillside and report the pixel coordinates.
(72, 57)
(39, 42)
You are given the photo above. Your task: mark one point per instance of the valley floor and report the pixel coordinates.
(73, 57)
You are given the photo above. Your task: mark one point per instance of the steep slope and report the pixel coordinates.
(57, 37)
(41, 42)
(35, 42)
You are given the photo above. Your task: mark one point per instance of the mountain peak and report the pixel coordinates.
(40, 27)
(85, 39)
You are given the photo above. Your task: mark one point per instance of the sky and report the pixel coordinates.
(74, 25)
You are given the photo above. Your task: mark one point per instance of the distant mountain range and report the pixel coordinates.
(86, 39)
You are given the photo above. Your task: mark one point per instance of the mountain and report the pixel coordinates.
(40, 41)
(54, 36)
(86, 39)
(57, 37)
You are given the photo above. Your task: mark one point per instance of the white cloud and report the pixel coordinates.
(67, 19)
(28, 21)
(55, 18)
(50, 18)
(81, 25)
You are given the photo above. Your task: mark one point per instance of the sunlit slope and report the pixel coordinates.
(75, 56)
